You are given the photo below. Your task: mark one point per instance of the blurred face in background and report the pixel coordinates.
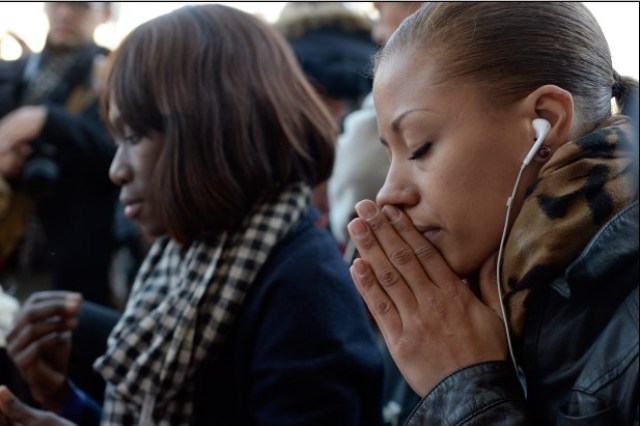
(391, 16)
(71, 24)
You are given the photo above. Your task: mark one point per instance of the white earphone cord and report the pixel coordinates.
(542, 128)
(499, 265)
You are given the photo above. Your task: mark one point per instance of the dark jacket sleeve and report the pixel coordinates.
(483, 394)
(81, 409)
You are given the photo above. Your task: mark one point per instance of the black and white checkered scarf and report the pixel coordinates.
(180, 311)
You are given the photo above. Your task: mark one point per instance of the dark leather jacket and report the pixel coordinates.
(579, 353)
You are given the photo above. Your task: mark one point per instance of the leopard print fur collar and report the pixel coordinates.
(584, 184)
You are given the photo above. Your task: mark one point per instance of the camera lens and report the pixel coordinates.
(39, 176)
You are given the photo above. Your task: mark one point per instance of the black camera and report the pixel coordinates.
(41, 171)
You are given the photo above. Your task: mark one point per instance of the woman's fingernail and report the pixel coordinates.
(72, 300)
(357, 228)
(360, 268)
(366, 209)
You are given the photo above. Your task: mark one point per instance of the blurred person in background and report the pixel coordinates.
(56, 225)
(334, 48)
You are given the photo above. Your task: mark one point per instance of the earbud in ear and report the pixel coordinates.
(542, 127)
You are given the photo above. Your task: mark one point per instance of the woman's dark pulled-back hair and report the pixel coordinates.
(512, 48)
(236, 116)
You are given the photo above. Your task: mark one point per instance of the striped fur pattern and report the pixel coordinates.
(584, 184)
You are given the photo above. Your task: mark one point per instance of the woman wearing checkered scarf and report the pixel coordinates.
(243, 312)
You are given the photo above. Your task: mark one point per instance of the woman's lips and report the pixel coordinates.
(429, 232)
(132, 210)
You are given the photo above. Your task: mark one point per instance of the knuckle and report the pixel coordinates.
(29, 316)
(401, 256)
(438, 308)
(366, 242)
(28, 332)
(389, 278)
(454, 290)
(425, 252)
(383, 307)
(431, 302)
(418, 321)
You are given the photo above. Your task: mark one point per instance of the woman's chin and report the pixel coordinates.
(462, 267)
(151, 231)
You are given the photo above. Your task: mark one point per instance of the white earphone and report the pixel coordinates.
(541, 127)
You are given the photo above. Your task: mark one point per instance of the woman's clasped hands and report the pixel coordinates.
(430, 318)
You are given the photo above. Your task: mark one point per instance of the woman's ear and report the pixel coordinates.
(555, 105)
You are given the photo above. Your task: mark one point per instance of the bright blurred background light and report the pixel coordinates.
(619, 21)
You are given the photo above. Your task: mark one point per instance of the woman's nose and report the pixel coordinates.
(397, 190)
(120, 171)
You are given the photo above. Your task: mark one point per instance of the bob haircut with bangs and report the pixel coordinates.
(236, 116)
